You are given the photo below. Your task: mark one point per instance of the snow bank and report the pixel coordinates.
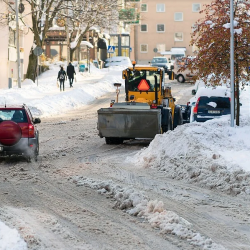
(138, 204)
(211, 154)
(10, 239)
(44, 98)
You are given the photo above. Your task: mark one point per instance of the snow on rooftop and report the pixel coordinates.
(55, 27)
(87, 44)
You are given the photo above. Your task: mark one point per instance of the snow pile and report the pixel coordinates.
(10, 239)
(45, 99)
(211, 154)
(138, 204)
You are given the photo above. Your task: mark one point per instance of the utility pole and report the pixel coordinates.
(67, 33)
(17, 46)
(232, 60)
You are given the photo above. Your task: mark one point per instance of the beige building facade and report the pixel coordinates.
(165, 25)
(8, 51)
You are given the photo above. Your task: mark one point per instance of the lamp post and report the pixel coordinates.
(88, 58)
(67, 31)
(18, 47)
(232, 60)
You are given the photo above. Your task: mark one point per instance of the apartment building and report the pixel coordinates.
(164, 25)
(8, 50)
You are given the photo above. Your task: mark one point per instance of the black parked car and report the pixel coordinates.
(210, 103)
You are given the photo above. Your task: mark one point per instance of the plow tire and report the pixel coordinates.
(113, 140)
(167, 123)
(178, 119)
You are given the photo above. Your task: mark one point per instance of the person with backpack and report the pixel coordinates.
(61, 77)
(70, 74)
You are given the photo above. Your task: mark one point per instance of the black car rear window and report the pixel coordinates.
(214, 102)
(159, 60)
(16, 115)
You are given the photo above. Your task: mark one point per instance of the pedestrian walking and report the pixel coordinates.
(70, 73)
(61, 77)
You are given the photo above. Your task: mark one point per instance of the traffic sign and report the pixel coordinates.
(111, 49)
(38, 51)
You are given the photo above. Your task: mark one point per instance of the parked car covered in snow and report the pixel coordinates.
(118, 61)
(209, 103)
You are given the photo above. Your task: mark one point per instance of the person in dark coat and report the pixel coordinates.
(70, 73)
(61, 77)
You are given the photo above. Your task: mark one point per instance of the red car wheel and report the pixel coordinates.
(10, 133)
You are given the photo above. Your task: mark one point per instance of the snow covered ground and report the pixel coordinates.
(211, 154)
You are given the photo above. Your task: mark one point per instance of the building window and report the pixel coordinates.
(144, 7)
(12, 37)
(144, 28)
(178, 37)
(160, 28)
(144, 48)
(114, 40)
(178, 16)
(160, 7)
(196, 7)
(125, 41)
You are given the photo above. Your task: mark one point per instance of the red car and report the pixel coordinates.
(18, 134)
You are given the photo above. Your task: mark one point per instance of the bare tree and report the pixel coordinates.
(82, 15)
(41, 13)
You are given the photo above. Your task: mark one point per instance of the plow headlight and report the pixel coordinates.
(132, 97)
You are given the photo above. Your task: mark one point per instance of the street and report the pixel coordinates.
(55, 203)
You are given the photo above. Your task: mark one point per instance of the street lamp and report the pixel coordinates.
(17, 46)
(67, 31)
(232, 59)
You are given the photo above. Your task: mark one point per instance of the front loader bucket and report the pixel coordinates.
(129, 123)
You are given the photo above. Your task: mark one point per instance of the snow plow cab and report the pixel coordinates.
(149, 107)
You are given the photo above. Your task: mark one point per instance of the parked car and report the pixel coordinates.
(185, 75)
(209, 103)
(18, 133)
(118, 61)
(161, 62)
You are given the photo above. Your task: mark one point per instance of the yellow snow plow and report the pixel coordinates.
(149, 107)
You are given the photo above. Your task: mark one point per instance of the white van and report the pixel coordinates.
(175, 52)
